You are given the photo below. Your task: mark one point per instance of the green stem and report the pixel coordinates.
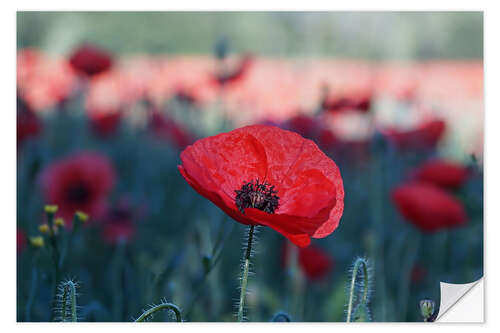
(69, 239)
(31, 296)
(55, 258)
(360, 263)
(244, 277)
(159, 307)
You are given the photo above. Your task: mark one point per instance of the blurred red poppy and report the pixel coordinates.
(90, 60)
(442, 173)
(313, 129)
(78, 182)
(263, 175)
(166, 128)
(313, 261)
(104, 124)
(425, 136)
(428, 207)
(232, 76)
(118, 225)
(418, 273)
(28, 124)
(355, 102)
(20, 240)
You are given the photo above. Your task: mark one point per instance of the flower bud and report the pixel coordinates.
(59, 222)
(427, 308)
(82, 217)
(44, 228)
(50, 209)
(37, 241)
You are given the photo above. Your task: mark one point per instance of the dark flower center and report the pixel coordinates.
(78, 193)
(257, 195)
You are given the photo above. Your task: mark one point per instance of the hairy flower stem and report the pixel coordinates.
(162, 306)
(359, 264)
(68, 301)
(244, 276)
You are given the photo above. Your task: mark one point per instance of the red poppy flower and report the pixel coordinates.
(425, 136)
(313, 261)
(166, 128)
(90, 60)
(428, 207)
(28, 124)
(442, 173)
(79, 182)
(20, 240)
(263, 175)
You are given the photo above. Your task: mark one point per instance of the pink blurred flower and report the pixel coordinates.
(42, 81)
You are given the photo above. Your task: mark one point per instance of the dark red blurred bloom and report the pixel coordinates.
(425, 136)
(78, 182)
(234, 75)
(357, 102)
(418, 273)
(313, 129)
(428, 207)
(90, 60)
(104, 124)
(28, 124)
(263, 175)
(20, 240)
(442, 173)
(313, 261)
(167, 129)
(118, 225)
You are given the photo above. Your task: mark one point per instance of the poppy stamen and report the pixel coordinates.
(257, 195)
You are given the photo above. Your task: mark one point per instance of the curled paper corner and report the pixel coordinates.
(462, 302)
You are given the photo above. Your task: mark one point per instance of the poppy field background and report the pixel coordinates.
(106, 102)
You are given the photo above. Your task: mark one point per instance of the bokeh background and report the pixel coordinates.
(106, 102)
